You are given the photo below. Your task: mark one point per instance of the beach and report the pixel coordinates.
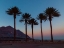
(31, 45)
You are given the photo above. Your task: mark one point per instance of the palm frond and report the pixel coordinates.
(21, 20)
(32, 21)
(9, 11)
(26, 16)
(13, 10)
(56, 14)
(42, 16)
(50, 11)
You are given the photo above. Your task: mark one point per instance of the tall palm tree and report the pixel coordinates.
(14, 11)
(32, 22)
(51, 12)
(41, 17)
(25, 17)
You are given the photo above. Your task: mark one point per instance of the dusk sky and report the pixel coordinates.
(34, 7)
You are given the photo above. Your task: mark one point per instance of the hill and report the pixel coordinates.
(8, 32)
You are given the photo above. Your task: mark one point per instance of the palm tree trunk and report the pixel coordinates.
(26, 29)
(51, 31)
(14, 27)
(41, 30)
(32, 33)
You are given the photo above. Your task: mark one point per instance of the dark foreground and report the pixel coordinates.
(19, 44)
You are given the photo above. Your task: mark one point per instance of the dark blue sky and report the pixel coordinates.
(34, 7)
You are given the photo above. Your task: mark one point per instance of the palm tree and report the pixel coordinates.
(32, 22)
(14, 11)
(41, 17)
(51, 12)
(25, 17)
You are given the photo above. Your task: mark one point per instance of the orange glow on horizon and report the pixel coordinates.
(47, 33)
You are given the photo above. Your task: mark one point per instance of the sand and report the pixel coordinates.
(31, 45)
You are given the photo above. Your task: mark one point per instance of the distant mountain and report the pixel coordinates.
(9, 32)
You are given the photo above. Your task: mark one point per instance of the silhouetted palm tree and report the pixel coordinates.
(32, 22)
(25, 17)
(14, 11)
(41, 17)
(51, 12)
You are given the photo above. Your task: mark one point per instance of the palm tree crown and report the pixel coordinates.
(33, 21)
(41, 17)
(13, 11)
(25, 16)
(51, 12)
